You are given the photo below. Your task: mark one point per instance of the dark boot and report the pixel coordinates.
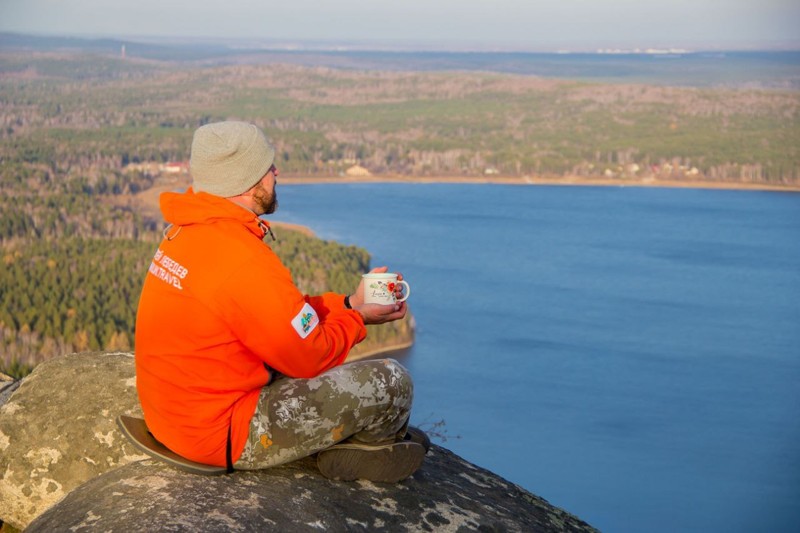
(381, 463)
(414, 434)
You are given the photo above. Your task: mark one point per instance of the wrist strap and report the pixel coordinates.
(347, 302)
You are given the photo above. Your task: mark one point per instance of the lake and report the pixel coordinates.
(629, 354)
(753, 69)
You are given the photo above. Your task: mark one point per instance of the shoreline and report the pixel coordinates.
(148, 199)
(382, 350)
(576, 181)
(305, 230)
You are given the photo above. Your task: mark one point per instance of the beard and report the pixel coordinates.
(266, 201)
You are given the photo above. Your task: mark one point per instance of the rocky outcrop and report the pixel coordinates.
(66, 467)
(447, 494)
(7, 386)
(57, 430)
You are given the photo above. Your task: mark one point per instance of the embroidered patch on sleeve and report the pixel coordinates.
(305, 321)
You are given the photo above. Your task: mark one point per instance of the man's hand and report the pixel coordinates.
(380, 314)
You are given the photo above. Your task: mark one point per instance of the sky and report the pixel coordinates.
(521, 24)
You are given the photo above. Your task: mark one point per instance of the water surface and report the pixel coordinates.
(629, 354)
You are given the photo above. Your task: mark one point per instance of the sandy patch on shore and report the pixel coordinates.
(528, 180)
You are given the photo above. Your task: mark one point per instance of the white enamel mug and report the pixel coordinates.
(379, 288)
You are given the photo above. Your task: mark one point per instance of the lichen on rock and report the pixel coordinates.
(149, 495)
(48, 427)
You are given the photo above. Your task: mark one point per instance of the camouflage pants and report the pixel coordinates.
(368, 401)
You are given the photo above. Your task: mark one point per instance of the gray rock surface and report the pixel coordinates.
(446, 494)
(66, 467)
(58, 430)
(7, 386)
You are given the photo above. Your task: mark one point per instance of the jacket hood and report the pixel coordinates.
(187, 208)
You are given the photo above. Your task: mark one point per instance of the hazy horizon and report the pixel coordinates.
(532, 25)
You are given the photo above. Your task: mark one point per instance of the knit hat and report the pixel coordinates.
(228, 158)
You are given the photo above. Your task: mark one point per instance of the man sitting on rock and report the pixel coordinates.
(235, 367)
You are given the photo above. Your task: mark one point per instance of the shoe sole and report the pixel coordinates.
(388, 463)
(414, 434)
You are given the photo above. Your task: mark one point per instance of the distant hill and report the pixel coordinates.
(750, 69)
(112, 47)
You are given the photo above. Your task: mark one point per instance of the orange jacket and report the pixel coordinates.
(216, 307)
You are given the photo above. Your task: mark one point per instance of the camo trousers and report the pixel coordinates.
(368, 401)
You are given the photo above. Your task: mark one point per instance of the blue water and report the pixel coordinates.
(630, 354)
(779, 69)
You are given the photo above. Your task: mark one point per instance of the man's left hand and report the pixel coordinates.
(380, 314)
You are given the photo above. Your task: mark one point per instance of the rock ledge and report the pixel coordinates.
(65, 466)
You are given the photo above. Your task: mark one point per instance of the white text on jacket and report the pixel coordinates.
(168, 270)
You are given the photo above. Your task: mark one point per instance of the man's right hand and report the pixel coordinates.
(380, 314)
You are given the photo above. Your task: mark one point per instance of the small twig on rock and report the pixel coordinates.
(436, 429)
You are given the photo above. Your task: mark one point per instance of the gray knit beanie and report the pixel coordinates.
(228, 158)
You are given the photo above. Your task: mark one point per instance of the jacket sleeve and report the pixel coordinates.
(297, 335)
(325, 302)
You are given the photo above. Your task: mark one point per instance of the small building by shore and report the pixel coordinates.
(357, 171)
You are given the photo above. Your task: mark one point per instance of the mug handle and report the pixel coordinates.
(406, 293)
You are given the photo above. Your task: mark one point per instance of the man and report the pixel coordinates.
(234, 365)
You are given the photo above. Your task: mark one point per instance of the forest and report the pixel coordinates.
(76, 293)
(84, 137)
(87, 113)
